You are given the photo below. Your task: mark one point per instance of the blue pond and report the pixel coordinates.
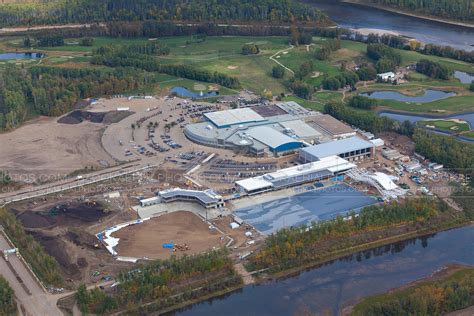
(464, 77)
(429, 96)
(184, 92)
(304, 208)
(6, 56)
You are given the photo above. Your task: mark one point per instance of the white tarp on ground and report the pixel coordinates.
(111, 242)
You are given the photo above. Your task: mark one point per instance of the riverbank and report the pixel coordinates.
(410, 14)
(450, 274)
(339, 254)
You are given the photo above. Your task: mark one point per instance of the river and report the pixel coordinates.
(354, 16)
(329, 288)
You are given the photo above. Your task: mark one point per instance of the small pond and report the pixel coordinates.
(428, 96)
(184, 92)
(7, 56)
(464, 77)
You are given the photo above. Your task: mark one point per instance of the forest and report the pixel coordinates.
(445, 150)
(367, 121)
(87, 11)
(453, 9)
(53, 91)
(163, 283)
(7, 299)
(295, 246)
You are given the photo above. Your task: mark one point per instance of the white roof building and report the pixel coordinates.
(234, 117)
(324, 168)
(386, 76)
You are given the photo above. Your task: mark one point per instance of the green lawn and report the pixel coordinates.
(447, 125)
(453, 104)
(469, 134)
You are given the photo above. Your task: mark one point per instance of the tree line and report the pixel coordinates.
(87, 11)
(445, 150)
(430, 298)
(433, 69)
(7, 299)
(387, 58)
(162, 283)
(453, 9)
(295, 246)
(44, 266)
(54, 91)
(129, 56)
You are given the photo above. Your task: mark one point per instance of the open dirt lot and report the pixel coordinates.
(44, 149)
(147, 239)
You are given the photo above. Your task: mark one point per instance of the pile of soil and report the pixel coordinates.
(77, 117)
(55, 247)
(81, 238)
(36, 220)
(83, 211)
(115, 116)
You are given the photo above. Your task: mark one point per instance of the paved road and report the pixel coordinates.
(71, 183)
(27, 291)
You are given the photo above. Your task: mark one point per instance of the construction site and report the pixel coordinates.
(185, 177)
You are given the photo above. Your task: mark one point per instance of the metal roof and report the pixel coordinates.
(205, 197)
(271, 137)
(297, 174)
(331, 126)
(337, 147)
(234, 117)
(300, 128)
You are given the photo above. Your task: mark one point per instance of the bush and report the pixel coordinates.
(250, 49)
(367, 73)
(433, 69)
(302, 89)
(471, 87)
(278, 72)
(7, 298)
(87, 41)
(362, 103)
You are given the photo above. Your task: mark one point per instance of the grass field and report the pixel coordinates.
(447, 125)
(223, 54)
(469, 134)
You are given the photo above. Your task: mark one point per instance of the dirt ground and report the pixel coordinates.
(147, 239)
(66, 230)
(44, 149)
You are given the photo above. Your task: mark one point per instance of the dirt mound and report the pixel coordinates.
(76, 117)
(83, 211)
(36, 220)
(81, 238)
(115, 116)
(55, 247)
